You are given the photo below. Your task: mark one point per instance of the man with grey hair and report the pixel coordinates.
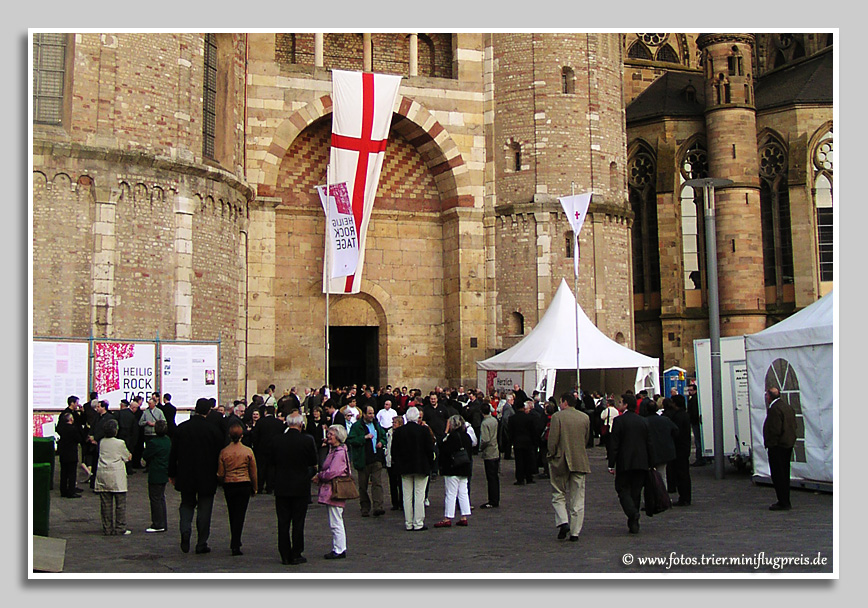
(413, 457)
(295, 462)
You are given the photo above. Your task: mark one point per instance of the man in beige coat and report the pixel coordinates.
(569, 433)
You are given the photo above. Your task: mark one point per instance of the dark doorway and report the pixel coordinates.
(354, 356)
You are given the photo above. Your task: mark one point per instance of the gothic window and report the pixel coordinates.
(639, 51)
(49, 74)
(667, 54)
(569, 244)
(209, 97)
(694, 165)
(568, 80)
(775, 210)
(642, 178)
(823, 202)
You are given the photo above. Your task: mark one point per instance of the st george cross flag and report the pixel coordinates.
(362, 105)
(344, 244)
(576, 208)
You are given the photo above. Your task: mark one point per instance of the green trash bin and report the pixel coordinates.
(43, 451)
(41, 497)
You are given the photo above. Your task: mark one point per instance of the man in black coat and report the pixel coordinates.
(779, 437)
(71, 436)
(629, 458)
(295, 460)
(169, 411)
(695, 424)
(263, 435)
(680, 466)
(193, 472)
(522, 430)
(413, 460)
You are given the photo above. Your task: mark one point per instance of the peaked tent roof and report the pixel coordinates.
(811, 326)
(552, 343)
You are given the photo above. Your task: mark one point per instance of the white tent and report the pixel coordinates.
(551, 347)
(796, 356)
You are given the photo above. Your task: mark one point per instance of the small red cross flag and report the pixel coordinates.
(576, 208)
(362, 105)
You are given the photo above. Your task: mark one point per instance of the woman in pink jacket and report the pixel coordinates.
(336, 464)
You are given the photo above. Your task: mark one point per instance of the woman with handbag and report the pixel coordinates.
(335, 466)
(455, 465)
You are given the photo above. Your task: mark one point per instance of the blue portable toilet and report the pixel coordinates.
(674, 377)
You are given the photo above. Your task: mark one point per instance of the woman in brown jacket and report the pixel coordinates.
(236, 468)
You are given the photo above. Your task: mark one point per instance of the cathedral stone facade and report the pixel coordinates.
(174, 174)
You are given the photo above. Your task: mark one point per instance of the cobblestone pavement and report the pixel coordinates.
(729, 518)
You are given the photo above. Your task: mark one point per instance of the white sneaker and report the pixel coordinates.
(126, 532)
(155, 530)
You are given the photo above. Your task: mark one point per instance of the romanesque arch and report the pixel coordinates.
(411, 120)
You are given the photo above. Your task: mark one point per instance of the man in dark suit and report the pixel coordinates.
(413, 459)
(522, 430)
(169, 412)
(333, 413)
(629, 458)
(193, 473)
(680, 465)
(295, 459)
(264, 433)
(779, 437)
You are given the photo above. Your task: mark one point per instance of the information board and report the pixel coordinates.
(122, 370)
(188, 372)
(59, 370)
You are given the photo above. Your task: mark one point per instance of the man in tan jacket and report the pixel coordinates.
(569, 433)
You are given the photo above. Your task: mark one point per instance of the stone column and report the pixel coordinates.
(261, 304)
(414, 54)
(367, 53)
(104, 263)
(184, 209)
(464, 288)
(318, 47)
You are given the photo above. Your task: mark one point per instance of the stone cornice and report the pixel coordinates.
(605, 208)
(52, 149)
(705, 40)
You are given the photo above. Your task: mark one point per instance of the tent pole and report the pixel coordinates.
(328, 274)
(576, 287)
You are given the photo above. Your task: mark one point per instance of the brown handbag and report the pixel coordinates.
(344, 488)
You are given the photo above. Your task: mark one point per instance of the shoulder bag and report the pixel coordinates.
(344, 488)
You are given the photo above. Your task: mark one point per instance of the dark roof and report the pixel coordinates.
(808, 81)
(667, 96)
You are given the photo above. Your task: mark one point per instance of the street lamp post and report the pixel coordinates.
(708, 185)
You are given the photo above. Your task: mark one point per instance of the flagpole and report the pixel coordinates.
(326, 272)
(576, 275)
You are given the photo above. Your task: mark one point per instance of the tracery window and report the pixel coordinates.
(642, 184)
(823, 167)
(775, 210)
(694, 165)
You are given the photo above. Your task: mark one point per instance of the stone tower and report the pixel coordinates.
(730, 122)
(557, 126)
(140, 205)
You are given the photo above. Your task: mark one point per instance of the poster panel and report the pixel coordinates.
(59, 370)
(123, 370)
(188, 372)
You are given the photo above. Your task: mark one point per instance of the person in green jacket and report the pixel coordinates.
(368, 441)
(156, 454)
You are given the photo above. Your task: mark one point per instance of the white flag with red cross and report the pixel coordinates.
(576, 208)
(362, 105)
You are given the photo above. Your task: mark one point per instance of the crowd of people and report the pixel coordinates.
(392, 442)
